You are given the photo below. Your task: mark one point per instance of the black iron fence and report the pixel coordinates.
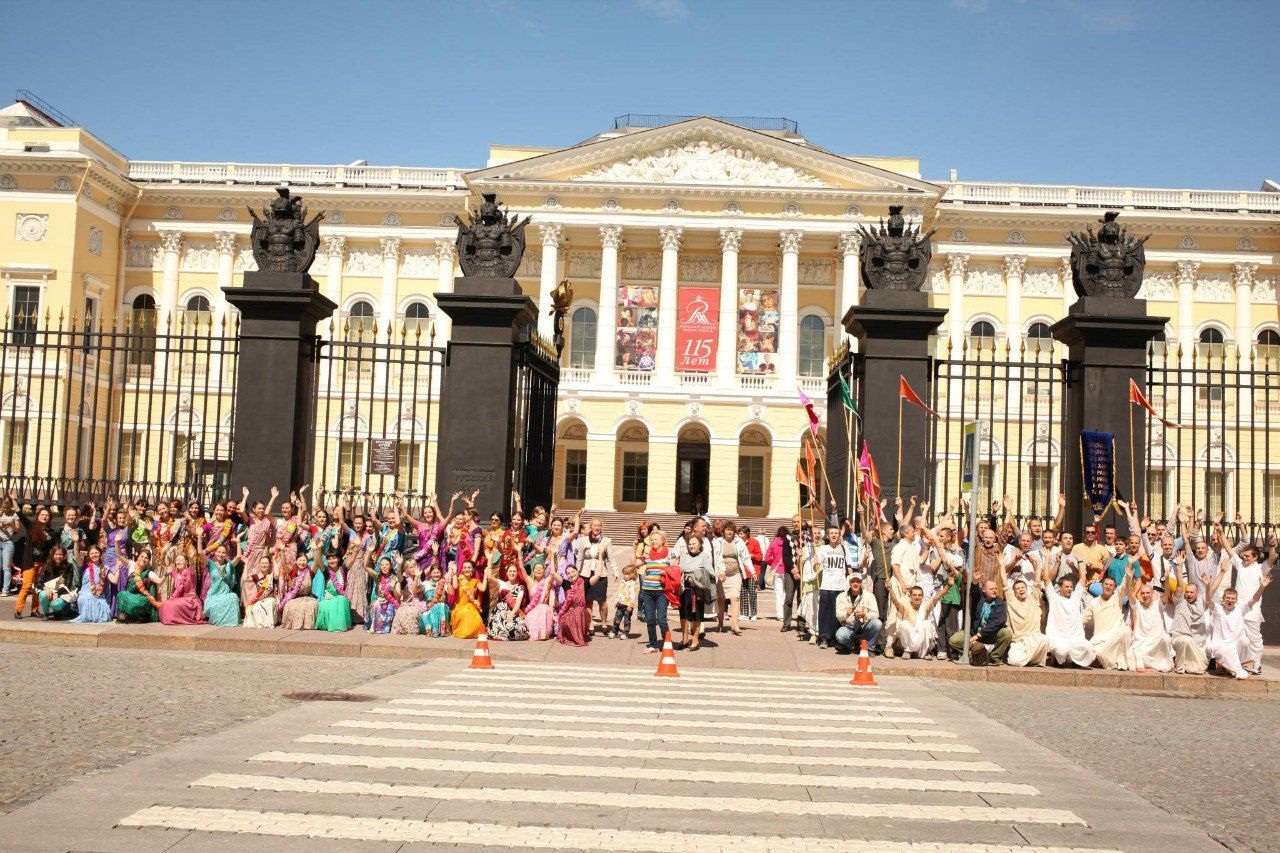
(1017, 398)
(375, 410)
(536, 382)
(1223, 455)
(136, 406)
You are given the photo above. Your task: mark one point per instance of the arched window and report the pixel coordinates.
(197, 311)
(1211, 335)
(1268, 347)
(812, 345)
(417, 318)
(582, 338)
(142, 331)
(1039, 338)
(360, 320)
(982, 329)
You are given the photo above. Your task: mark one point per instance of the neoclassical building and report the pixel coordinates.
(711, 261)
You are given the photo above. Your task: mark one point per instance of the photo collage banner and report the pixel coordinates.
(757, 331)
(637, 342)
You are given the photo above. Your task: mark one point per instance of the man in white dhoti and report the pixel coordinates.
(1065, 628)
(1152, 648)
(1111, 639)
(1028, 647)
(1184, 613)
(905, 563)
(914, 632)
(1250, 570)
(1228, 643)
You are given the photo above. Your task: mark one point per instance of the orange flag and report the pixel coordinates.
(1136, 396)
(805, 479)
(905, 391)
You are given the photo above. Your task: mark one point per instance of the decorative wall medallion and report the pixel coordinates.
(7, 182)
(633, 407)
(62, 184)
(1016, 237)
(32, 227)
(552, 203)
(959, 235)
(791, 210)
(1246, 244)
(1189, 242)
(756, 411)
(732, 209)
(226, 215)
(673, 205)
(695, 408)
(337, 217)
(852, 212)
(95, 240)
(611, 205)
(572, 404)
(392, 218)
(172, 213)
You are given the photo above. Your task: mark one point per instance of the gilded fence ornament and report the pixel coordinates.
(492, 244)
(283, 240)
(895, 256)
(1108, 263)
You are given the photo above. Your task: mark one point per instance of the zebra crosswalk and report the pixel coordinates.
(609, 759)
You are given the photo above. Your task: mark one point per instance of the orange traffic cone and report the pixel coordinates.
(667, 666)
(480, 657)
(862, 676)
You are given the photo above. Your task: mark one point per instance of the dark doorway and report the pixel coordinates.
(693, 469)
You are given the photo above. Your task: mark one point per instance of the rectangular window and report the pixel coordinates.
(351, 464)
(410, 467)
(751, 481)
(13, 454)
(635, 478)
(1215, 486)
(986, 484)
(1040, 484)
(131, 453)
(25, 314)
(1272, 506)
(575, 474)
(1157, 492)
(178, 472)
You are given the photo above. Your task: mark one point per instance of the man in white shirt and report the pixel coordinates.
(1020, 561)
(1065, 628)
(1228, 644)
(905, 563)
(835, 563)
(1152, 648)
(1250, 570)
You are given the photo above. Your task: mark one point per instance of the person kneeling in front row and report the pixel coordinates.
(991, 630)
(859, 617)
(915, 632)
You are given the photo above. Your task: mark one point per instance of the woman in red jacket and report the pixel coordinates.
(659, 586)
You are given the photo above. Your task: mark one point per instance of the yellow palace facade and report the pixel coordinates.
(711, 261)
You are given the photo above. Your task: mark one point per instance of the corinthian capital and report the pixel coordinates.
(611, 236)
(671, 236)
(1014, 266)
(1187, 272)
(225, 243)
(730, 239)
(789, 241)
(1243, 274)
(390, 248)
(957, 264)
(850, 243)
(446, 251)
(335, 247)
(171, 241)
(552, 233)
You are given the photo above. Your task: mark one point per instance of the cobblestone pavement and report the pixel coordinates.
(602, 758)
(68, 711)
(1213, 760)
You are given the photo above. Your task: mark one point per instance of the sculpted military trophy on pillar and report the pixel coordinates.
(282, 239)
(895, 256)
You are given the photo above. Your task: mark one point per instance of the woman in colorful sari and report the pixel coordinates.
(57, 582)
(574, 619)
(221, 604)
(219, 531)
(287, 536)
(506, 616)
(359, 553)
(117, 545)
(467, 589)
(430, 530)
(434, 620)
(260, 597)
(192, 533)
(540, 618)
(91, 602)
(413, 602)
(257, 536)
(299, 606)
(183, 606)
(140, 600)
(386, 597)
(334, 612)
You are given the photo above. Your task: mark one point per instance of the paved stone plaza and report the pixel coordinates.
(595, 757)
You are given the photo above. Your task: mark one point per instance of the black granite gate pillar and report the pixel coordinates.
(274, 437)
(476, 445)
(893, 329)
(1107, 339)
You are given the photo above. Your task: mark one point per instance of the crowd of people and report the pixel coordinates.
(1165, 598)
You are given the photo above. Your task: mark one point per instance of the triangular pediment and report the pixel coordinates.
(702, 152)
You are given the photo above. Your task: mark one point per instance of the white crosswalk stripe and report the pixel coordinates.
(300, 824)
(595, 705)
(732, 677)
(721, 700)
(663, 774)
(660, 754)
(648, 685)
(660, 802)
(667, 722)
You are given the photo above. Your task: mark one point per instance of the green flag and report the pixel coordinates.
(846, 396)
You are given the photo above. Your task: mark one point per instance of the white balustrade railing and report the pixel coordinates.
(756, 382)
(276, 173)
(634, 377)
(575, 375)
(694, 378)
(813, 384)
(989, 192)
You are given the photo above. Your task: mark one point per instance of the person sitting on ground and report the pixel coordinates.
(858, 615)
(1229, 642)
(1027, 646)
(914, 632)
(1188, 632)
(1111, 638)
(990, 629)
(1152, 648)
(1065, 627)
(905, 574)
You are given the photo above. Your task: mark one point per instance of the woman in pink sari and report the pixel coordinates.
(575, 619)
(257, 538)
(288, 533)
(540, 618)
(183, 606)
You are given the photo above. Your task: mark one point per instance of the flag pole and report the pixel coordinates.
(1133, 477)
(897, 482)
(848, 464)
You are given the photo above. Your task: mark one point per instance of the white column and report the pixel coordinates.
(390, 275)
(1243, 280)
(446, 259)
(668, 294)
(727, 359)
(850, 274)
(552, 234)
(607, 310)
(335, 252)
(789, 308)
(226, 244)
(1014, 267)
(1186, 309)
(171, 245)
(1068, 286)
(957, 265)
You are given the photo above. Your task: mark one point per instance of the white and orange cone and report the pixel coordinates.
(862, 676)
(480, 657)
(667, 666)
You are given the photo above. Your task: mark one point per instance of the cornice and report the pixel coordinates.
(722, 192)
(415, 200)
(951, 214)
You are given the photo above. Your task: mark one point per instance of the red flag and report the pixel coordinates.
(1136, 396)
(805, 479)
(905, 391)
(808, 407)
(870, 478)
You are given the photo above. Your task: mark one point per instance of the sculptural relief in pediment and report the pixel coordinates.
(703, 162)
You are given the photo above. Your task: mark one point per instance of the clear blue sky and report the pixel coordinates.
(1084, 91)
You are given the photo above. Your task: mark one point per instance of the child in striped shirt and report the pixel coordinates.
(625, 606)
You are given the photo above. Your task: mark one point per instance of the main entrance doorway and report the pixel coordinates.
(693, 470)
